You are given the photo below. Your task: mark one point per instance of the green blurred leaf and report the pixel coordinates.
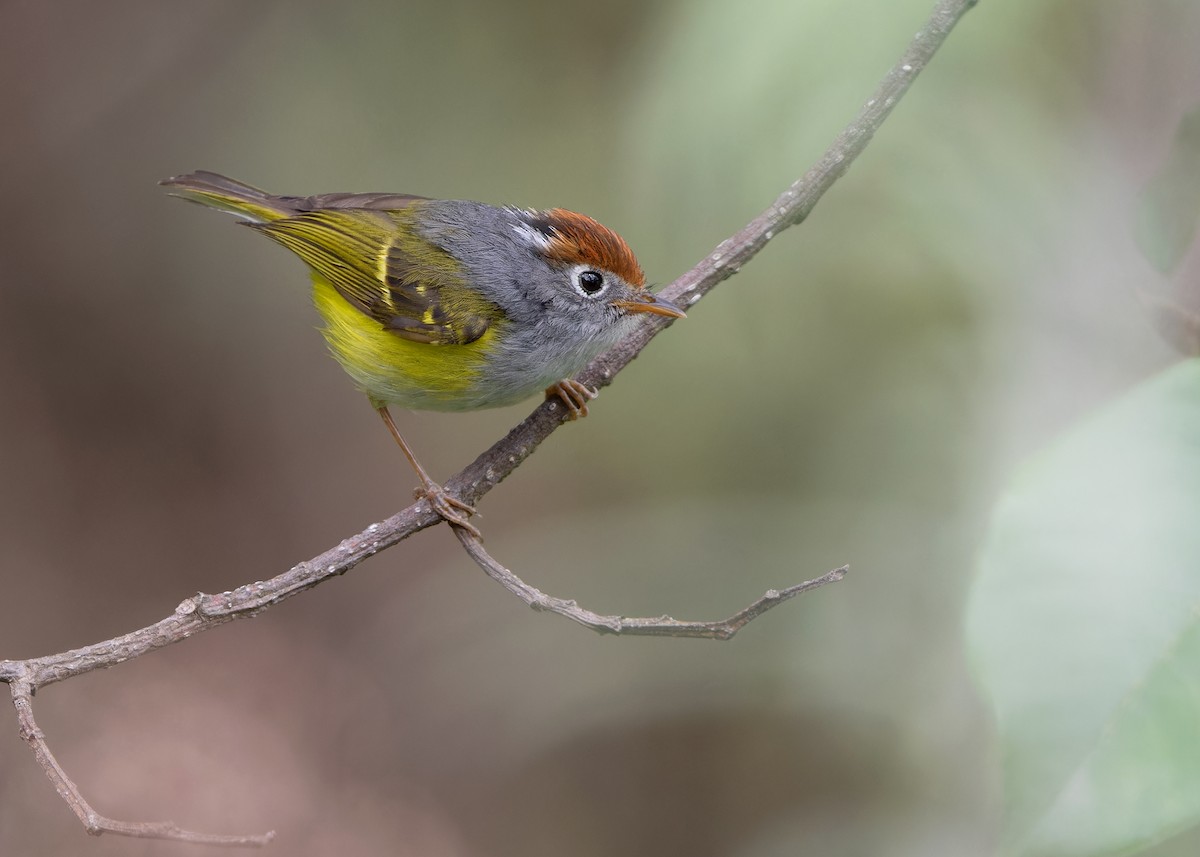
(1084, 629)
(1169, 212)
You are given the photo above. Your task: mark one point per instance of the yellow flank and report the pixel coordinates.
(390, 368)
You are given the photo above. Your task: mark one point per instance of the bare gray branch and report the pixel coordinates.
(659, 626)
(95, 823)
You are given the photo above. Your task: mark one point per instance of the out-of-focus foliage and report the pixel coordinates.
(859, 393)
(1170, 210)
(1084, 631)
(1165, 228)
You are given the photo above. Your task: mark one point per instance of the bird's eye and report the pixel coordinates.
(590, 282)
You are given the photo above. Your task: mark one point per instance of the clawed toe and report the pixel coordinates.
(574, 395)
(451, 509)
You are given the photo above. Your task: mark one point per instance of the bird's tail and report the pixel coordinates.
(226, 194)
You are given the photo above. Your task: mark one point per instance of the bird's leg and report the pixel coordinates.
(451, 509)
(574, 395)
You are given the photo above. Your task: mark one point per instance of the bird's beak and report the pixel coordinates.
(647, 302)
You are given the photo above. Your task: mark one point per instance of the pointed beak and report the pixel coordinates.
(646, 302)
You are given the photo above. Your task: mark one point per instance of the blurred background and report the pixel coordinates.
(169, 421)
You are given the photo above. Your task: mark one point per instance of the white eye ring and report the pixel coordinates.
(588, 281)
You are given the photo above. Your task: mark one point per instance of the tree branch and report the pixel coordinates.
(791, 207)
(659, 626)
(93, 822)
(201, 612)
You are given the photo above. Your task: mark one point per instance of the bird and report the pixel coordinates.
(450, 305)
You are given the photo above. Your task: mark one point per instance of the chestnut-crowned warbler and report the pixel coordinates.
(450, 305)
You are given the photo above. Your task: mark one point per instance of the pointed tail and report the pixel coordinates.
(226, 194)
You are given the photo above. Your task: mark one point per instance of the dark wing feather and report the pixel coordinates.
(372, 201)
(419, 306)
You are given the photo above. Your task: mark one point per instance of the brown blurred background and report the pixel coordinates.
(169, 421)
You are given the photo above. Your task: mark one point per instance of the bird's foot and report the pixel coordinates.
(574, 395)
(453, 510)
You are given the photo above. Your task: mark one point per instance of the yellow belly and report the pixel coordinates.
(394, 370)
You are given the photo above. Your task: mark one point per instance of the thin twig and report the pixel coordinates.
(93, 822)
(658, 626)
(201, 612)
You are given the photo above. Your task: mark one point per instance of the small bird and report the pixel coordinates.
(450, 305)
